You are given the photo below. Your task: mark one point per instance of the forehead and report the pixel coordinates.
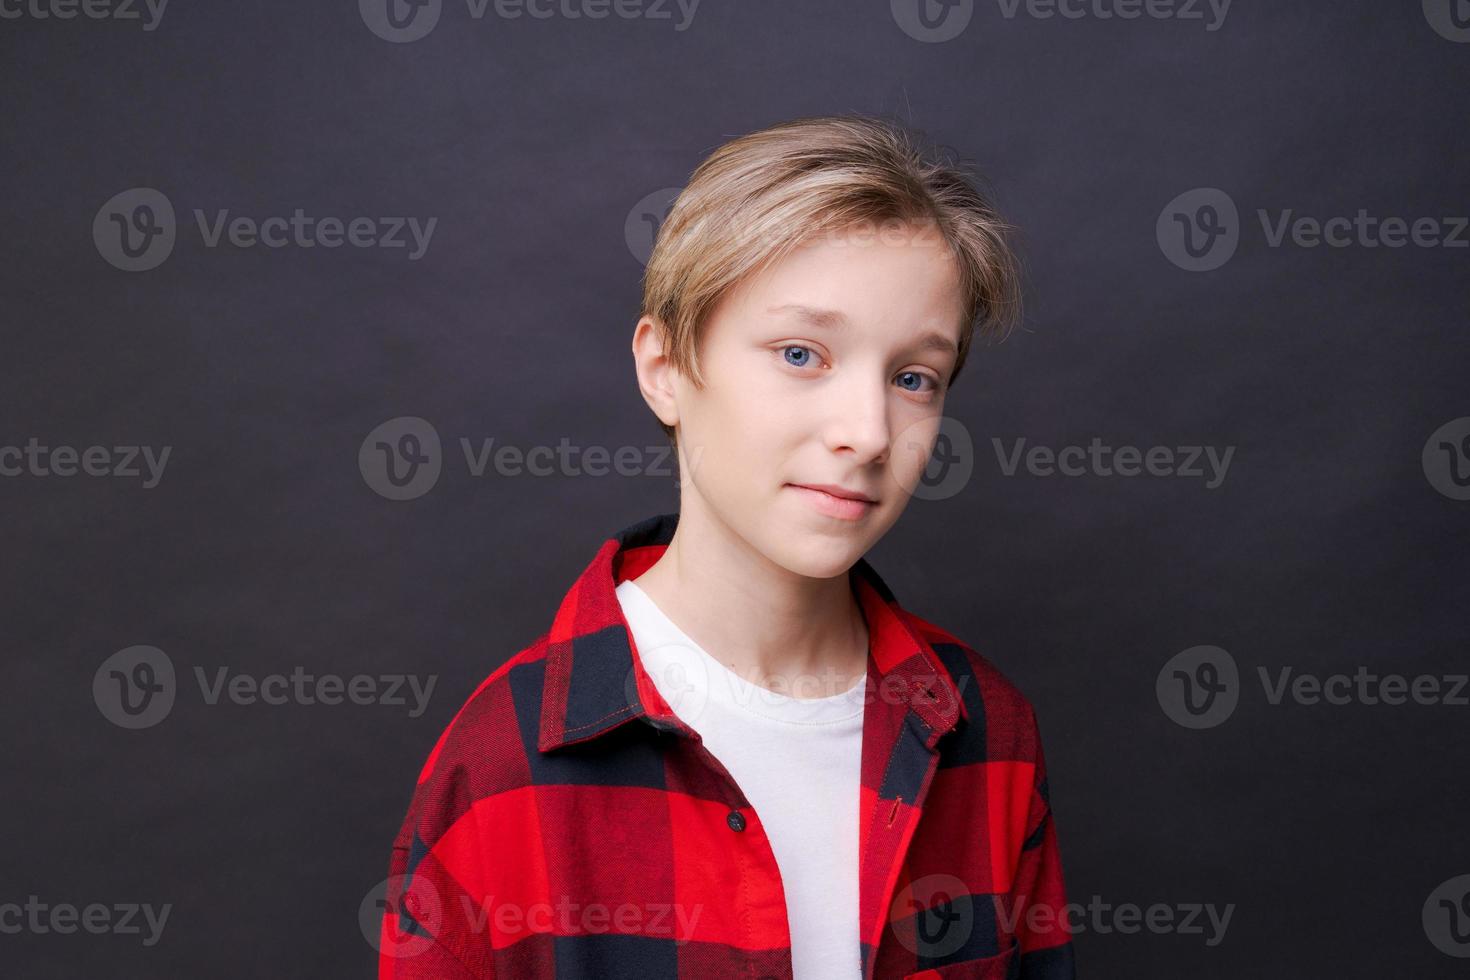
(899, 284)
(836, 321)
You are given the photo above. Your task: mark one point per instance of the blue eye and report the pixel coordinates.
(803, 358)
(920, 378)
(801, 361)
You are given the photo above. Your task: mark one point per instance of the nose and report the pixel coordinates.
(858, 419)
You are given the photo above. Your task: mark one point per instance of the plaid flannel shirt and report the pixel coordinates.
(567, 824)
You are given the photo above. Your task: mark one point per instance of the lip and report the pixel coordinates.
(836, 491)
(832, 501)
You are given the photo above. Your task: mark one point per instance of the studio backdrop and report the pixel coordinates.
(316, 395)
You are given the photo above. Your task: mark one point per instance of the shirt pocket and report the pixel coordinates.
(1004, 966)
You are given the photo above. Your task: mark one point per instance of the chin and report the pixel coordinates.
(810, 552)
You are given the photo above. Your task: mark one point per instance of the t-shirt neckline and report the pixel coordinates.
(667, 643)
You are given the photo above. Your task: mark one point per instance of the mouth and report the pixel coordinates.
(838, 502)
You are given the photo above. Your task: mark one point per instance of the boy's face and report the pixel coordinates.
(827, 368)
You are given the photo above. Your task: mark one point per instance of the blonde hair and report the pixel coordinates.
(759, 196)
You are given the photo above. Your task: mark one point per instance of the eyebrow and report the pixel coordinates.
(834, 319)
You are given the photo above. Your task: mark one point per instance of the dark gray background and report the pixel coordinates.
(264, 548)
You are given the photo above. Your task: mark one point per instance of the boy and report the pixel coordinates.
(733, 754)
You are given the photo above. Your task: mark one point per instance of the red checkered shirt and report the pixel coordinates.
(567, 824)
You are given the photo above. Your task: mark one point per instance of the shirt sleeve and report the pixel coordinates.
(407, 950)
(1039, 895)
(431, 927)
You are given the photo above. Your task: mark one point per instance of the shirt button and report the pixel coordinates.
(735, 820)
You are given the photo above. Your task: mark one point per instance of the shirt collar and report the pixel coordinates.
(595, 683)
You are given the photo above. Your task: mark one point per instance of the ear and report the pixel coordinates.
(655, 372)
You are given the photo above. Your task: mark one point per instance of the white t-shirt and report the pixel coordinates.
(797, 760)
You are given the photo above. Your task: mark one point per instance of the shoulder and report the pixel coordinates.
(1005, 716)
(495, 713)
(485, 749)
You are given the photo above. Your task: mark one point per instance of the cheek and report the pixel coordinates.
(748, 444)
(912, 446)
(735, 433)
(754, 416)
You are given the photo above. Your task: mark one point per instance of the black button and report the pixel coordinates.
(735, 820)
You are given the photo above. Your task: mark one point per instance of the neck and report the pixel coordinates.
(799, 636)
